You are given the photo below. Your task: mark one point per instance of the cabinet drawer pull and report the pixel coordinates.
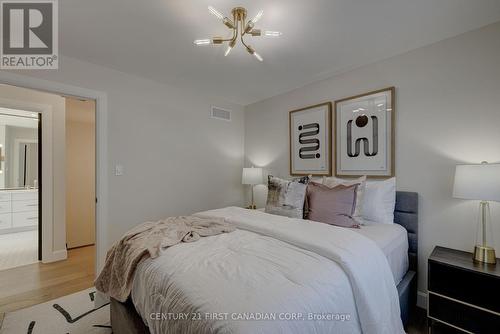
(31, 204)
(32, 218)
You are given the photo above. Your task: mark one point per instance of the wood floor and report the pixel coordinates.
(37, 283)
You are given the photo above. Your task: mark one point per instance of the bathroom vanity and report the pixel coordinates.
(18, 210)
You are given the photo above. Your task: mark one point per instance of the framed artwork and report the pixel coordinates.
(364, 134)
(310, 140)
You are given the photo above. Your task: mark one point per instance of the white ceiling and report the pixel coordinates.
(154, 38)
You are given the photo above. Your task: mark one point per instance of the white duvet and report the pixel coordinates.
(273, 275)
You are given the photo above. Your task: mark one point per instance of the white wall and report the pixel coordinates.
(177, 160)
(447, 112)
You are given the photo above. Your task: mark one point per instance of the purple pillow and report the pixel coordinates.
(334, 206)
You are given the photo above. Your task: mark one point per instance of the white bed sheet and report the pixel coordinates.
(271, 264)
(393, 240)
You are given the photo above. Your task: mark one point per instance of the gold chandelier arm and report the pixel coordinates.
(235, 29)
(246, 27)
(243, 42)
(220, 40)
(242, 24)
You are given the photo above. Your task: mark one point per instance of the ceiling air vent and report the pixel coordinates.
(220, 113)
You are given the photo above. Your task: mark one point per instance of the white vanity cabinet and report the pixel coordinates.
(18, 210)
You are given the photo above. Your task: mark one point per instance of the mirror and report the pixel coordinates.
(18, 149)
(28, 164)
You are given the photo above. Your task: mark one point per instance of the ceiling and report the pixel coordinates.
(154, 39)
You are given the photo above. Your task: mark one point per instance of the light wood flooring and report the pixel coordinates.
(37, 283)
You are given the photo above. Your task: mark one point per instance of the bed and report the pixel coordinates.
(391, 240)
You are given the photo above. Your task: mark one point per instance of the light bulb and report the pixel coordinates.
(258, 56)
(228, 51)
(269, 33)
(257, 17)
(202, 41)
(255, 32)
(215, 12)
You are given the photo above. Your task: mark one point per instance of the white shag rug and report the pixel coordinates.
(74, 314)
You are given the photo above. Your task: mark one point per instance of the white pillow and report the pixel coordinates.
(316, 179)
(332, 182)
(379, 202)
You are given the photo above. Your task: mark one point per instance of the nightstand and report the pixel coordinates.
(463, 296)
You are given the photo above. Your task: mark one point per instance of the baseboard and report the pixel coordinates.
(82, 246)
(56, 256)
(422, 299)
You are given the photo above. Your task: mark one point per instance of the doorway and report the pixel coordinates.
(19, 187)
(75, 268)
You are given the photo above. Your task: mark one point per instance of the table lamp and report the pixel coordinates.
(480, 182)
(252, 176)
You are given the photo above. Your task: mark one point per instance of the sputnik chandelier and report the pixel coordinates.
(239, 27)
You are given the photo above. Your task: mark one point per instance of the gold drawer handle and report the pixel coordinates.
(32, 218)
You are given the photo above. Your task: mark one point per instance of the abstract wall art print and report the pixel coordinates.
(363, 143)
(310, 140)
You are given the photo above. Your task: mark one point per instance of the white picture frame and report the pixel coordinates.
(310, 140)
(364, 135)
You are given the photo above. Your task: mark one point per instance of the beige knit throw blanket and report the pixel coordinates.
(147, 239)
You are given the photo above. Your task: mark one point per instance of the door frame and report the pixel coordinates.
(101, 119)
(46, 214)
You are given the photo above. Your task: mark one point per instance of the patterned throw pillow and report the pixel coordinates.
(285, 197)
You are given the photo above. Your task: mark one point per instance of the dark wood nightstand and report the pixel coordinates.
(464, 297)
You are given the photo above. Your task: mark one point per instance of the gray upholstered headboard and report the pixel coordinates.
(406, 215)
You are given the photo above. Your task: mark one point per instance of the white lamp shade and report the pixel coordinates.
(251, 176)
(477, 182)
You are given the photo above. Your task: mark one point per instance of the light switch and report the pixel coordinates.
(119, 170)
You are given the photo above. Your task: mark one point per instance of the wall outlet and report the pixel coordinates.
(119, 170)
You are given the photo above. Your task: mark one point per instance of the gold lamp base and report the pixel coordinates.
(484, 254)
